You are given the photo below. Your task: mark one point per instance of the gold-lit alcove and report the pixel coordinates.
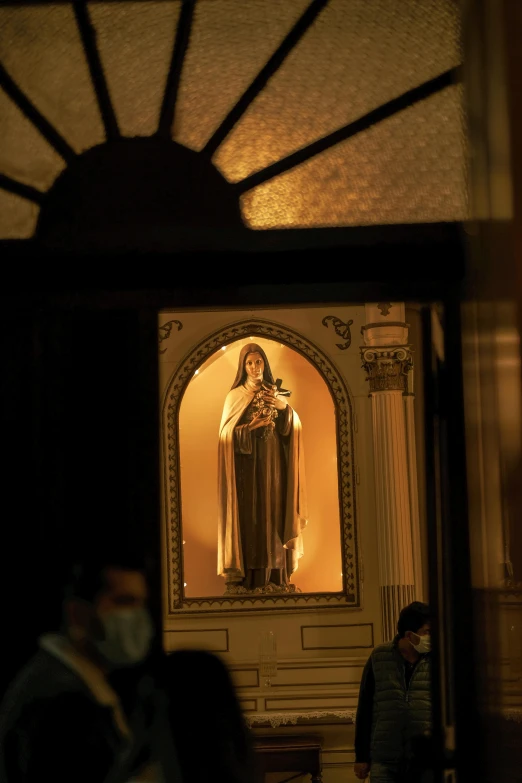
(328, 571)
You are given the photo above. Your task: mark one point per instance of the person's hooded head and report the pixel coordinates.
(253, 364)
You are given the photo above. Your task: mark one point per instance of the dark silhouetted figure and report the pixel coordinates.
(212, 740)
(61, 719)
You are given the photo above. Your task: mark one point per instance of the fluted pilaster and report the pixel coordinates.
(392, 494)
(388, 361)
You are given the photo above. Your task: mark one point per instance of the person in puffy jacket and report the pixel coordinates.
(394, 707)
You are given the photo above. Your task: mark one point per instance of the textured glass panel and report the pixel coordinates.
(41, 49)
(407, 169)
(230, 43)
(135, 42)
(24, 154)
(357, 56)
(17, 217)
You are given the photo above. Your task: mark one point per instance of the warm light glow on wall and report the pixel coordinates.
(199, 418)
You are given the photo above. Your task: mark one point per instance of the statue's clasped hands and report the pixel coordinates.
(273, 399)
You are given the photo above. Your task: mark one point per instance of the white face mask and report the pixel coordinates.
(128, 634)
(424, 646)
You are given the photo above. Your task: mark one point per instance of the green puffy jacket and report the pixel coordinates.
(400, 713)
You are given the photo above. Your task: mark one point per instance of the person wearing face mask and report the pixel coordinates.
(62, 719)
(394, 708)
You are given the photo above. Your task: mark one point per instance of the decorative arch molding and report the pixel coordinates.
(344, 419)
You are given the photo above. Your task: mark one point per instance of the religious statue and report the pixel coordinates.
(262, 493)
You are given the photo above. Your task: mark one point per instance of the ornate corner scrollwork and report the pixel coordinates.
(350, 595)
(384, 307)
(166, 329)
(341, 329)
(387, 368)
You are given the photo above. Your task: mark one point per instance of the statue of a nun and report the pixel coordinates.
(262, 492)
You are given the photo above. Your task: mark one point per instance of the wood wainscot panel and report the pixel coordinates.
(245, 678)
(321, 675)
(337, 637)
(248, 705)
(212, 639)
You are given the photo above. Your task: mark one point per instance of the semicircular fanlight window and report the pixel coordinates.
(306, 113)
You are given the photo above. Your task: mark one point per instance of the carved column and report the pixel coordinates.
(387, 360)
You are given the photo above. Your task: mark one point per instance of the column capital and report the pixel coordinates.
(387, 367)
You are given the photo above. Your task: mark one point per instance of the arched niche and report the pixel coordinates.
(328, 574)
